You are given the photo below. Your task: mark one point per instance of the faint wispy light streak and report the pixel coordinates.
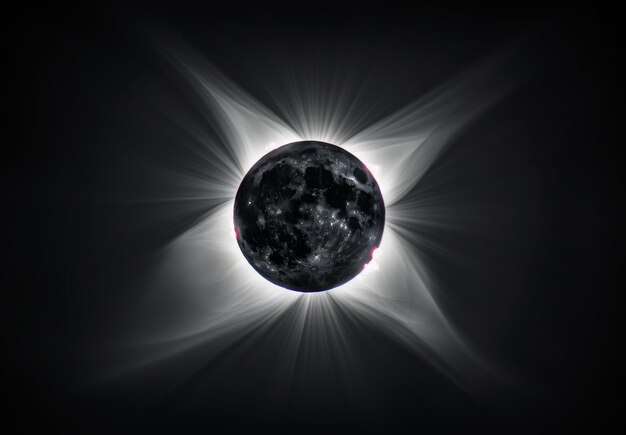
(223, 299)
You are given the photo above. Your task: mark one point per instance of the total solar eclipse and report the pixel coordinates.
(308, 216)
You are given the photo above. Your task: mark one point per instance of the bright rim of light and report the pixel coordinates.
(205, 271)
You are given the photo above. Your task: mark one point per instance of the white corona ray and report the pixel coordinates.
(319, 102)
(400, 295)
(204, 275)
(247, 128)
(405, 144)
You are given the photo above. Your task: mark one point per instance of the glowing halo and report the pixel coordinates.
(205, 271)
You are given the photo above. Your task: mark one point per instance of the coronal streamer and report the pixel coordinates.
(225, 299)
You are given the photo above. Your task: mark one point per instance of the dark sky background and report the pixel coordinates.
(86, 81)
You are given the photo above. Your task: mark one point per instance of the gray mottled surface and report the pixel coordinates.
(308, 216)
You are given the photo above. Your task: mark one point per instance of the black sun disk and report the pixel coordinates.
(308, 216)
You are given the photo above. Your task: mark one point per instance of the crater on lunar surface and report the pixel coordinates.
(308, 216)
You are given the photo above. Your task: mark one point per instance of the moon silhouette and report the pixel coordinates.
(308, 216)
